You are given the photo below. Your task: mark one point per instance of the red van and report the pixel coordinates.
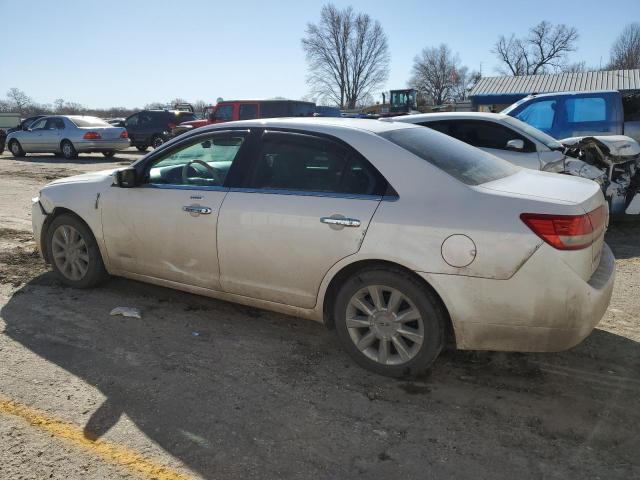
(230, 110)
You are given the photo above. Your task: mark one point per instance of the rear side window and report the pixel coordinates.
(487, 135)
(539, 114)
(185, 117)
(586, 109)
(442, 127)
(463, 162)
(248, 111)
(312, 164)
(224, 113)
(274, 109)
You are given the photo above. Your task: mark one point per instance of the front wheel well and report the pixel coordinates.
(57, 211)
(343, 275)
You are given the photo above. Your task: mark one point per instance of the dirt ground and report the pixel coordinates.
(209, 389)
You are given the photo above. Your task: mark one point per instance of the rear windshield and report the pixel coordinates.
(89, 122)
(468, 164)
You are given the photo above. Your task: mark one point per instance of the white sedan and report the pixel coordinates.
(398, 236)
(501, 135)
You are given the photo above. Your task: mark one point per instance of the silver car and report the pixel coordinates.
(68, 135)
(395, 235)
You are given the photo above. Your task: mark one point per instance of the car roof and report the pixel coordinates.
(313, 123)
(425, 117)
(553, 94)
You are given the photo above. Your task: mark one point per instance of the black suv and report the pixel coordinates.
(153, 127)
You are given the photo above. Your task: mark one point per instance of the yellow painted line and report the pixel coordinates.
(116, 454)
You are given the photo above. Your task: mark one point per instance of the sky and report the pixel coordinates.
(130, 53)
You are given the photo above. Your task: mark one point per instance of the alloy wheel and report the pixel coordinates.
(385, 325)
(70, 252)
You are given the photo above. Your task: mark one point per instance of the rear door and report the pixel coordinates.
(304, 203)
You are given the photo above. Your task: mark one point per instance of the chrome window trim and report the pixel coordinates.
(307, 193)
(168, 186)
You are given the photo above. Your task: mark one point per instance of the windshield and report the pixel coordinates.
(468, 164)
(89, 122)
(533, 132)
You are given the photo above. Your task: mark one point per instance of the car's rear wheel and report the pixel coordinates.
(68, 150)
(16, 149)
(143, 148)
(74, 253)
(156, 141)
(389, 323)
(109, 154)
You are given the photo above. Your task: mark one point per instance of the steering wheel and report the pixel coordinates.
(214, 173)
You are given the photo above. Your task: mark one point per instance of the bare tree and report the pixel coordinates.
(577, 67)
(545, 47)
(199, 105)
(347, 54)
(464, 81)
(435, 74)
(625, 53)
(19, 100)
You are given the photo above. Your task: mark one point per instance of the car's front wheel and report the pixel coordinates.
(16, 149)
(74, 253)
(389, 322)
(68, 150)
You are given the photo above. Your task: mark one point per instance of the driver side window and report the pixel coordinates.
(39, 125)
(204, 163)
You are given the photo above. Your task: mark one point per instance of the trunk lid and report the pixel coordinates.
(106, 133)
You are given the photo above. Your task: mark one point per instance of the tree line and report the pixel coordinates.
(348, 58)
(18, 101)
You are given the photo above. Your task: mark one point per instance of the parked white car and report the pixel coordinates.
(495, 133)
(397, 235)
(611, 161)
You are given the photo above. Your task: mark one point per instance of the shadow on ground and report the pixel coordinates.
(240, 393)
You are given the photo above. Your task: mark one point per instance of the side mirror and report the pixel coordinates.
(25, 128)
(125, 178)
(515, 145)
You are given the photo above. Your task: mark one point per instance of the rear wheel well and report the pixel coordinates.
(338, 280)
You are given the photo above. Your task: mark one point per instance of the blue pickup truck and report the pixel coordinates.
(579, 114)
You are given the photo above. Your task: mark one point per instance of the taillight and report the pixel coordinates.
(124, 134)
(92, 136)
(567, 232)
(171, 126)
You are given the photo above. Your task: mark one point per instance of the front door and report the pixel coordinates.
(305, 204)
(31, 140)
(166, 227)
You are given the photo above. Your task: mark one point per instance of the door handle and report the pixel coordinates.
(343, 222)
(196, 209)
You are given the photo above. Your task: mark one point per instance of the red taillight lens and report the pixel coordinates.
(124, 134)
(92, 136)
(567, 232)
(171, 126)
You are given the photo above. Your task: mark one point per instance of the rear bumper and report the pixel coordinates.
(102, 145)
(544, 307)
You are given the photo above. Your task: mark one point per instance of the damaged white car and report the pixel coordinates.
(611, 161)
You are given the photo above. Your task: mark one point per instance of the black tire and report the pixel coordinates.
(143, 148)
(432, 318)
(156, 141)
(68, 150)
(95, 271)
(109, 154)
(16, 149)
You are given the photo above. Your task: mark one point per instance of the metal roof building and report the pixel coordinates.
(506, 90)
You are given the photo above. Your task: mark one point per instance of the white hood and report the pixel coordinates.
(618, 145)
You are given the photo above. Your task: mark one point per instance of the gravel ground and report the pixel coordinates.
(216, 390)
